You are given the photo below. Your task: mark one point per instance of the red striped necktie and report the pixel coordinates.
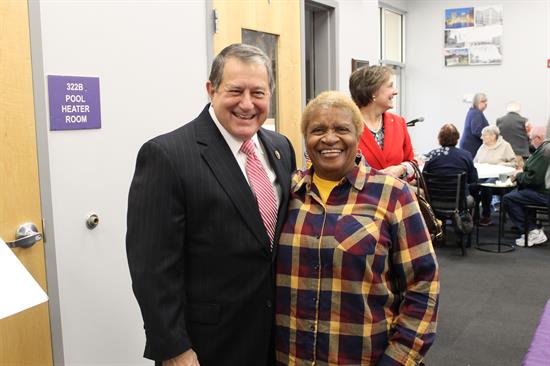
(262, 188)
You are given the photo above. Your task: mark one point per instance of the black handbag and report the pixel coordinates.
(434, 225)
(464, 222)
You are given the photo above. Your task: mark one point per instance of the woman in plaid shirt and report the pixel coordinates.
(357, 277)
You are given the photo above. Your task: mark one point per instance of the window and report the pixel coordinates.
(392, 35)
(392, 49)
(268, 43)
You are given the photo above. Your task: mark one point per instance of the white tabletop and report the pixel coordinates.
(492, 170)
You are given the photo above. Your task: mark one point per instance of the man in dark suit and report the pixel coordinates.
(200, 251)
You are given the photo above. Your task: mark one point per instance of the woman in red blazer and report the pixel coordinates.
(385, 142)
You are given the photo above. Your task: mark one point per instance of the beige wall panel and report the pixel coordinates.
(280, 17)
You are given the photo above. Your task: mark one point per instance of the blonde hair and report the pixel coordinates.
(333, 99)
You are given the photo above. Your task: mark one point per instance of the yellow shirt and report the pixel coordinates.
(324, 186)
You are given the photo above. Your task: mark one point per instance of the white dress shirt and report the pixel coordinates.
(235, 147)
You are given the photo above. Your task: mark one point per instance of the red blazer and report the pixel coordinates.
(397, 144)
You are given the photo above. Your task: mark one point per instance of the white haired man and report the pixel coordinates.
(531, 190)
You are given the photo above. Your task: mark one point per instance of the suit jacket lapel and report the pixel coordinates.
(221, 161)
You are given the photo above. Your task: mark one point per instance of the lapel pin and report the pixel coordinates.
(277, 154)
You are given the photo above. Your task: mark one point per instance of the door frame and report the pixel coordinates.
(326, 12)
(329, 38)
(44, 179)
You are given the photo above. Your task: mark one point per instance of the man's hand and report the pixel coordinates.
(187, 358)
(513, 176)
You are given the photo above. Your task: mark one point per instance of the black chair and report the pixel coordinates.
(447, 196)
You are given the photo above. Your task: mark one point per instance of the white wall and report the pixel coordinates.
(150, 58)
(358, 36)
(435, 91)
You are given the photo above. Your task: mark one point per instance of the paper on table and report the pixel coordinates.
(18, 289)
(492, 170)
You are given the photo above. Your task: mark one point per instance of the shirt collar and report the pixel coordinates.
(233, 142)
(357, 176)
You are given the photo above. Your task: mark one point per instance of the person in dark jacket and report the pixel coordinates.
(448, 159)
(205, 210)
(474, 123)
(513, 128)
(531, 190)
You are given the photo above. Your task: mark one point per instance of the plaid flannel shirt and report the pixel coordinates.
(357, 278)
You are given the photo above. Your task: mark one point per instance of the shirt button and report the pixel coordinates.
(316, 267)
(268, 304)
(314, 299)
(312, 327)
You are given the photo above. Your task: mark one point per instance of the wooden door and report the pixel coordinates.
(24, 337)
(282, 19)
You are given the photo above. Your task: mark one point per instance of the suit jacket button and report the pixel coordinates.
(268, 304)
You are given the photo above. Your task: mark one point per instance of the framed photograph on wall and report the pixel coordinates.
(355, 64)
(473, 36)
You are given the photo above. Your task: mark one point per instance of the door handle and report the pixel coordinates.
(25, 237)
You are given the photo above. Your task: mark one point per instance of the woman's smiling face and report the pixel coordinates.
(331, 142)
(384, 95)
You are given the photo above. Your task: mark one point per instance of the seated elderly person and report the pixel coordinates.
(448, 159)
(531, 190)
(357, 279)
(495, 150)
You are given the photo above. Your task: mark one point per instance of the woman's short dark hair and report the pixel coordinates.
(448, 135)
(365, 81)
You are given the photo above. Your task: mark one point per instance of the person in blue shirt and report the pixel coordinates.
(474, 123)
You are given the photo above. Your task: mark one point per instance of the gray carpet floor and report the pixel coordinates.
(490, 303)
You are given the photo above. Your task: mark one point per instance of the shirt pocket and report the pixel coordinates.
(357, 235)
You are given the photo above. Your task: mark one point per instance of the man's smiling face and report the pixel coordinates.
(241, 102)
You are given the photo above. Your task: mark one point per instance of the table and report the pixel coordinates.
(492, 170)
(500, 189)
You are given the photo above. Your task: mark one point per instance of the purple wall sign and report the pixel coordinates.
(74, 102)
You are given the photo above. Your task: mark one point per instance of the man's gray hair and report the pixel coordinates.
(513, 106)
(477, 98)
(245, 53)
(491, 129)
(538, 131)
